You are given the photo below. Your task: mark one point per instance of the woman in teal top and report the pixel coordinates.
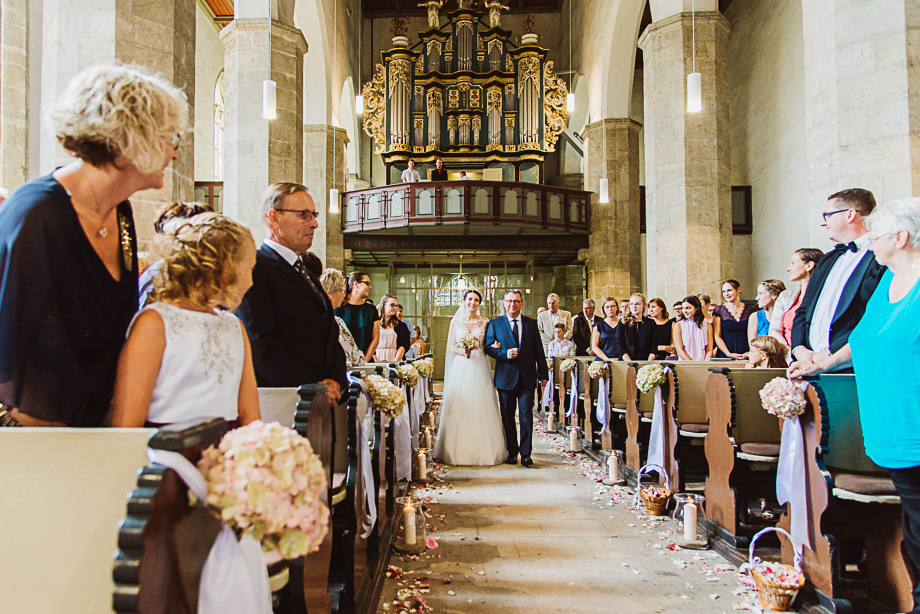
(885, 352)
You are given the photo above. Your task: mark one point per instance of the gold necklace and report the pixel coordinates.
(103, 232)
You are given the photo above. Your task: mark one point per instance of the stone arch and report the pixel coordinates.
(309, 16)
(348, 120)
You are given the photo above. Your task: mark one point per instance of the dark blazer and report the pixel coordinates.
(581, 333)
(439, 175)
(531, 360)
(294, 336)
(636, 340)
(850, 308)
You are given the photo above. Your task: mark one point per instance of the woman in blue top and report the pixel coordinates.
(889, 390)
(767, 292)
(604, 340)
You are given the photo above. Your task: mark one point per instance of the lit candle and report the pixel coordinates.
(409, 524)
(573, 440)
(612, 468)
(690, 522)
(422, 466)
(550, 424)
(427, 437)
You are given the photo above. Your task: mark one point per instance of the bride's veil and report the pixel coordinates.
(457, 329)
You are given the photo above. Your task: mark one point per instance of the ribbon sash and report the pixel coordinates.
(548, 391)
(403, 438)
(790, 481)
(603, 404)
(365, 483)
(656, 440)
(416, 408)
(573, 394)
(234, 579)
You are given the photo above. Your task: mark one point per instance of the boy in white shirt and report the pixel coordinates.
(560, 346)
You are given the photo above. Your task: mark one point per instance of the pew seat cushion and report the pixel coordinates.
(760, 448)
(873, 485)
(338, 488)
(694, 427)
(648, 415)
(619, 406)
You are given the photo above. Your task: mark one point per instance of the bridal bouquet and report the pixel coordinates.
(650, 376)
(597, 369)
(469, 342)
(567, 365)
(782, 398)
(386, 397)
(407, 374)
(266, 481)
(425, 367)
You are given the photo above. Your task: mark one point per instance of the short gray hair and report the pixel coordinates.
(588, 302)
(552, 295)
(332, 280)
(275, 194)
(895, 216)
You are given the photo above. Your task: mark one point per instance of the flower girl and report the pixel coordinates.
(186, 358)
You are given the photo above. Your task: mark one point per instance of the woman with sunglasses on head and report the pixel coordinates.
(360, 316)
(68, 249)
(392, 335)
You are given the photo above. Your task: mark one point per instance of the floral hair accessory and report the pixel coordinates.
(780, 397)
(597, 369)
(265, 481)
(407, 374)
(650, 376)
(567, 365)
(386, 398)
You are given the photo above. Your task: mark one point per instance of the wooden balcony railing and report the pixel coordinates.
(465, 202)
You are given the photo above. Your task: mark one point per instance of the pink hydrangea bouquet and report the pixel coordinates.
(468, 343)
(782, 398)
(425, 367)
(597, 369)
(386, 397)
(265, 480)
(650, 376)
(407, 374)
(567, 365)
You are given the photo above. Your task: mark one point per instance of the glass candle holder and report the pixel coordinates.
(690, 529)
(411, 533)
(550, 420)
(422, 465)
(574, 445)
(612, 461)
(426, 439)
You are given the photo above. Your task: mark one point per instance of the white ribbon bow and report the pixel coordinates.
(402, 435)
(234, 579)
(573, 395)
(365, 485)
(656, 437)
(603, 404)
(790, 480)
(548, 391)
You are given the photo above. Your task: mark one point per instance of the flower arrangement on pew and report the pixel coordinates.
(266, 481)
(650, 376)
(386, 397)
(597, 369)
(656, 499)
(567, 365)
(780, 397)
(425, 366)
(407, 374)
(468, 343)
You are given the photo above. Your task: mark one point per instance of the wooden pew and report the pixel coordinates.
(742, 439)
(63, 495)
(619, 400)
(278, 405)
(856, 501)
(588, 391)
(637, 405)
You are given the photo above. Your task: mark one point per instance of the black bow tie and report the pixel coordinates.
(841, 248)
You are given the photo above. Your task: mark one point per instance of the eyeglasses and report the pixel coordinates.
(513, 300)
(827, 214)
(393, 305)
(880, 235)
(366, 282)
(304, 214)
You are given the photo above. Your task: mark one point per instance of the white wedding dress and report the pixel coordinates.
(470, 432)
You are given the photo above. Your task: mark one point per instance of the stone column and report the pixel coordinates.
(160, 36)
(324, 168)
(257, 151)
(862, 103)
(612, 151)
(14, 93)
(687, 158)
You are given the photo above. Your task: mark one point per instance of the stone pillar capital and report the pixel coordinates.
(590, 131)
(704, 21)
(290, 34)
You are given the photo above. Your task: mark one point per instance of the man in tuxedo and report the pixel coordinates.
(842, 281)
(513, 341)
(294, 336)
(439, 174)
(583, 327)
(547, 320)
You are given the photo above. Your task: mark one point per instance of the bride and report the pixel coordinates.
(470, 432)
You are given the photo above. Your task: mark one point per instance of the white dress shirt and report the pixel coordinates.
(287, 253)
(819, 333)
(520, 325)
(411, 176)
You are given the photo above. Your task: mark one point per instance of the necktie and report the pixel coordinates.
(302, 269)
(841, 248)
(514, 331)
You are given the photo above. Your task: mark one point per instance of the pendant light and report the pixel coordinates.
(359, 99)
(604, 187)
(269, 99)
(694, 79)
(570, 98)
(333, 192)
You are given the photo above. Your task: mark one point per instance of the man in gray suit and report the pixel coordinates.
(546, 320)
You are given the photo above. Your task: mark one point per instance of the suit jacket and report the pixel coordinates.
(850, 307)
(545, 324)
(581, 333)
(636, 340)
(294, 336)
(531, 360)
(439, 175)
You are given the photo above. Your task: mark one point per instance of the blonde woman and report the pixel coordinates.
(604, 340)
(394, 338)
(634, 334)
(767, 293)
(333, 283)
(69, 248)
(185, 357)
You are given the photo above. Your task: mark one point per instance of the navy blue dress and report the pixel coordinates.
(608, 343)
(734, 332)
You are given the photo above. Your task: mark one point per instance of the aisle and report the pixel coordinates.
(552, 539)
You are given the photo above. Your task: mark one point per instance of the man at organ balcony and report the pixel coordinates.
(410, 175)
(439, 174)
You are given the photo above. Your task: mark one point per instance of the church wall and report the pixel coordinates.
(768, 137)
(209, 61)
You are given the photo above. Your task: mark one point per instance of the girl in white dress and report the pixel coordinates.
(390, 348)
(471, 431)
(185, 357)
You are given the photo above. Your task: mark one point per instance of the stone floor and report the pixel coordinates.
(552, 539)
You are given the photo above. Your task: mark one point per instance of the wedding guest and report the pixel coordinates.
(635, 331)
(678, 307)
(313, 263)
(548, 319)
(410, 175)
(69, 249)
(604, 338)
(294, 335)
(582, 327)
(163, 215)
(417, 342)
(560, 346)
(185, 357)
(767, 352)
(841, 283)
(800, 268)
(624, 308)
(888, 390)
(360, 315)
(439, 173)
(394, 338)
(767, 293)
(404, 323)
(333, 283)
(730, 334)
(693, 334)
(661, 332)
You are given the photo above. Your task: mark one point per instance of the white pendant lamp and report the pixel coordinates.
(570, 102)
(333, 201)
(269, 99)
(359, 104)
(694, 79)
(605, 190)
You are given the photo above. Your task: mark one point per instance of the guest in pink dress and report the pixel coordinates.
(693, 334)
